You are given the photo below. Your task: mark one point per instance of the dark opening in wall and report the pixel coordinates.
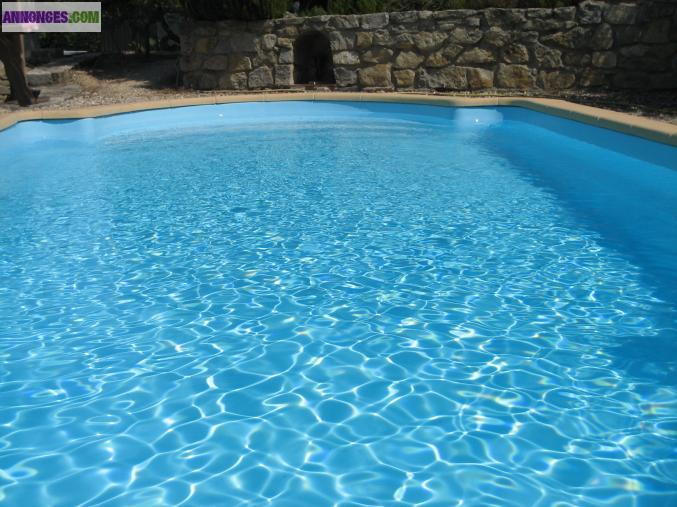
(313, 62)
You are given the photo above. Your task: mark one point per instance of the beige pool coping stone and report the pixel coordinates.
(646, 128)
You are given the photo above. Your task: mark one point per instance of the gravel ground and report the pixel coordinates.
(126, 79)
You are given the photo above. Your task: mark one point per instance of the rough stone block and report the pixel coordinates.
(514, 76)
(621, 14)
(547, 58)
(376, 76)
(239, 63)
(635, 51)
(496, 37)
(382, 38)
(408, 60)
(592, 78)
(202, 45)
(575, 38)
(515, 53)
(658, 31)
(288, 31)
(454, 14)
(558, 80)
(268, 41)
(363, 40)
(203, 29)
(505, 17)
(216, 62)
(602, 37)
(346, 58)
(186, 64)
(345, 77)
(245, 42)
(437, 59)
(265, 58)
(547, 25)
(447, 78)
(476, 55)
(465, 36)
(627, 35)
(404, 78)
(590, 12)
(404, 17)
(480, 79)
(286, 56)
(261, 77)
(604, 59)
(187, 44)
(577, 59)
(428, 41)
(280, 23)
(371, 21)
(473, 22)
(237, 81)
(340, 41)
(345, 22)
(284, 75)
(207, 81)
(404, 41)
(377, 55)
(629, 79)
(191, 79)
(564, 13)
(284, 43)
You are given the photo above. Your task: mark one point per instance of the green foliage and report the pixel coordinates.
(249, 10)
(71, 41)
(314, 11)
(367, 6)
(355, 6)
(245, 10)
(439, 5)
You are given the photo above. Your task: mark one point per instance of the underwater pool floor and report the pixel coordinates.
(350, 308)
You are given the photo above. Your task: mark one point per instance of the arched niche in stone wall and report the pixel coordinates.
(313, 61)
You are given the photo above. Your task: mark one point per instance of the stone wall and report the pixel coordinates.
(4, 83)
(596, 44)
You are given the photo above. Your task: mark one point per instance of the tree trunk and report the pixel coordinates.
(12, 55)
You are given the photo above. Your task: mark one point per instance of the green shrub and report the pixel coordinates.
(367, 6)
(440, 5)
(249, 10)
(314, 11)
(244, 10)
(355, 6)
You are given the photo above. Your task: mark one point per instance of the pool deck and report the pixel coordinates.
(653, 130)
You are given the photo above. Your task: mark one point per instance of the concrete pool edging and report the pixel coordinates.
(645, 128)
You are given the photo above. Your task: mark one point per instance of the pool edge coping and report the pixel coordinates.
(646, 128)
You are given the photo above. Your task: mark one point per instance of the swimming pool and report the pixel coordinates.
(310, 304)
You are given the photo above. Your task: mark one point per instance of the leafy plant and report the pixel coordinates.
(355, 6)
(244, 10)
(367, 6)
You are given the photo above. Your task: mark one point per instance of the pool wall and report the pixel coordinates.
(653, 130)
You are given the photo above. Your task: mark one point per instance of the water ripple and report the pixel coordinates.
(381, 315)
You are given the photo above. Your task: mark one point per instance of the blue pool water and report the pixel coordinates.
(336, 304)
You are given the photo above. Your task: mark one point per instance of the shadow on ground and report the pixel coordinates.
(156, 72)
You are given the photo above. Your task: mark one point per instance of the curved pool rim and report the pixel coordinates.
(653, 130)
